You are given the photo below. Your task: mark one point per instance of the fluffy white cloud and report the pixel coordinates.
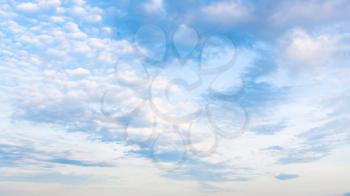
(226, 13)
(153, 5)
(301, 49)
(79, 72)
(57, 19)
(37, 6)
(304, 50)
(86, 12)
(28, 7)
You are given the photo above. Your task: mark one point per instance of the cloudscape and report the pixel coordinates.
(165, 97)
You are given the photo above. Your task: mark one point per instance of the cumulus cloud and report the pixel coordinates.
(303, 49)
(28, 7)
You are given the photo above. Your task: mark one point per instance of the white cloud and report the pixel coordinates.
(79, 72)
(57, 19)
(54, 96)
(314, 74)
(71, 27)
(304, 50)
(57, 53)
(28, 7)
(78, 11)
(79, 2)
(308, 12)
(227, 13)
(79, 145)
(35, 7)
(14, 27)
(94, 18)
(301, 49)
(153, 5)
(49, 3)
(60, 10)
(107, 31)
(86, 12)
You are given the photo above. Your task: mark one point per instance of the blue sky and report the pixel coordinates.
(158, 97)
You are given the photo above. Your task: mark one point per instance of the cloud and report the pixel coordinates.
(71, 111)
(94, 18)
(28, 7)
(57, 19)
(78, 163)
(226, 13)
(86, 12)
(307, 12)
(76, 148)
(71, 27)
(79, 72)
(49, 3)
(304, 50)
(286, 176)
(153, 5)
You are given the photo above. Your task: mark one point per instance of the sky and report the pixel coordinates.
(187, 97)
